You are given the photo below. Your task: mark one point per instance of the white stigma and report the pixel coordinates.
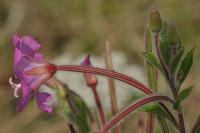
(15, 86)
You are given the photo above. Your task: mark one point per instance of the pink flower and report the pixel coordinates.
(32, 71)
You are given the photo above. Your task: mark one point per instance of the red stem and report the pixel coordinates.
(150, 123)
(108, 73)
(99, 106)
(131, 108)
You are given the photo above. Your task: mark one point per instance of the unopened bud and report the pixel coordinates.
(155, 22)
(90, 79)
(173, 36)
(173, 39)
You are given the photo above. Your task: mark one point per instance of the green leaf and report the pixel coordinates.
(185, 66)
(176, 62)
(185, 93)
(182, 96)
(78, 114)
(156, 109)
(152, 59)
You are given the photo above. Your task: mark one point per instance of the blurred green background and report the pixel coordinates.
(78, 27)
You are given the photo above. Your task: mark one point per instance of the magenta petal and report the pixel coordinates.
(17, 59)
(15, 39)
(38, 57)
(26, 95)
(24, 64)
(31, 43)
(42, 100)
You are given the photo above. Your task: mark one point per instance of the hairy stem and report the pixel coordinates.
(131, 108)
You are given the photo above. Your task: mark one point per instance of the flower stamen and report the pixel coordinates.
(15, 86)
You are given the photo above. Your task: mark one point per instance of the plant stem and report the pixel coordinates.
(107, 73)
(179, 112)
(132, 107)
(99, 106)
(181, 122)
(171, 83)
(150, 123)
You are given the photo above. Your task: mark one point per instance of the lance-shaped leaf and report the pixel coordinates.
(196, 127)
(156, 109)
(133, 107)
(185, 66)
(78, 113)
(182, 96)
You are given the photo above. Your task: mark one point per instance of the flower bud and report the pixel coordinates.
(155, 22)
(173, 36)
(173, 39)
(90, 79)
